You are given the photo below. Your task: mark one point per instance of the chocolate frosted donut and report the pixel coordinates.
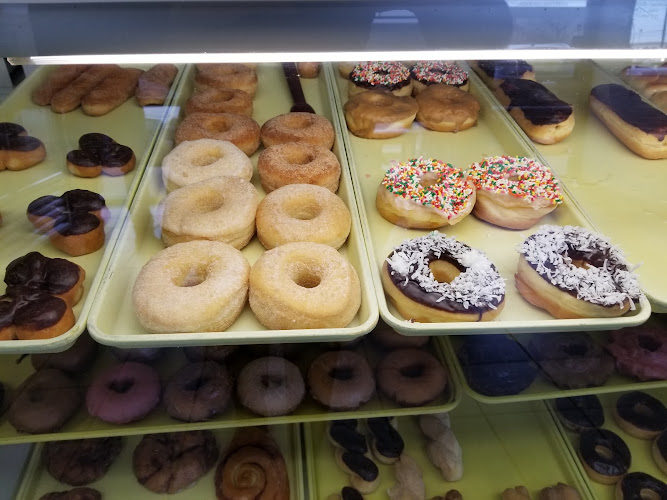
(74, 494)
(580, 413)
(387, 442)
(494, 72)
(640, 415)
(639, 485)
(81, 461)
(346, 436)
(77, 358)
(604, 454)
(198, 392)
(99, 153)
(18, 151)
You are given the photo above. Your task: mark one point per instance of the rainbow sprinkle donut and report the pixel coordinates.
(391, 76)
(426, 73)
(425, 193)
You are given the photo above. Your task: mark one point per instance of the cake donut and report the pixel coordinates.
(378, 114)
(298, 127)
(213, 100)
(56, 80)
(364, 474)
(604, 455)
(580, 413)
(298, 163)
(447, 109)
(304, 285)
(638, 485)
(387, 443)
(195, 161)
(302, 212)
(221, 274)
(391, 76)
(659, 451)
(270, 386)
(80, 461)
(428, 73)
(640, 415)
(242, 131)
(341, 380)
(100, 154)
(434, 278)
(154, 84)
(513, 192)
(227, 76)
(495, 72)
(18, 150)
(216, 209)
(574, 273)
(641, 351)
(424, 193)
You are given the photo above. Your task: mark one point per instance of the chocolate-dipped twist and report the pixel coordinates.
(99, 153)
(80, 461)
(18, 150)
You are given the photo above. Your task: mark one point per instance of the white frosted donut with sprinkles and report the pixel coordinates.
(391, 76)
(575, 273)
(513, 192)
(425, 73)
(424, 193)
(434, 279)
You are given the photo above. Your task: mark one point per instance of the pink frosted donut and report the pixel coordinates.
(124, 393)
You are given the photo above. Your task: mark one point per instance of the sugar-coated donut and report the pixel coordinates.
(213, 100)
(391, 76)
(298, 127)
(298, 163)
(379, 114)
(55, 81)
(240, 130)
(640, 415)
(302, 212)
(111, 92)
(154, 85)
(341, 380)
(424, 193)
(201, 159)
(304, 285)
(270, 386)
(431, 73)
(217, 209)
(203, 287)
(574, 273)
(446, 109)
(227, 76)
(513, 192)
(434, 278)
(124, 393)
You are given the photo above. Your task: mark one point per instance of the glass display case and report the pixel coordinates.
(333, 249)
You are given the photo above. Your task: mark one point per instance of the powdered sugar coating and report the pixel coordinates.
(478, 286)
(605, 281)
(439, 72)
(384, 74)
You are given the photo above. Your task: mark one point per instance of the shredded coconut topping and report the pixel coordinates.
(479, 285)
(438, 72)
(603, 278)
(380, 73)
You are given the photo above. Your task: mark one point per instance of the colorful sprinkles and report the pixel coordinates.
(520, 177)
(438, 72)
(448, 191)
(383, 74)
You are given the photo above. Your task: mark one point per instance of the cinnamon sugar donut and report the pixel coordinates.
(298, 163)
(379, 114)
(211, 100)
(227, 76)
(240, 130)
(446, 109)
(298, 127)
(201, 159)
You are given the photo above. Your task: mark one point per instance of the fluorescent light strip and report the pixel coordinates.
(542, 54)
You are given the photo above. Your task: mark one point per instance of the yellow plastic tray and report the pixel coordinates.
(542, 387)
(499, 443)
(493, 135)
(82, 425)
(622, 193)
(113, 320)
(120, 482)
(642, 460)
(128, 124)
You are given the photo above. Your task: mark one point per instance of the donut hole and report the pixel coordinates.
(305, 276)
(270, 381)
(604, 451)
(191, 276)
(298, 209)
(297, 122)
(648, 343)
(210, 202)
(121, 386)
(412, 371)
(206, 157)
(444, 271)
(342, 373)
(299, 157)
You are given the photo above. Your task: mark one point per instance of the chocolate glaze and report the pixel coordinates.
(82, 158)
(361, 465)
(71, 211)
(388, 442)
(652, 418)
(82, 199)
(505, 69)
(80, 493)
(348, 438)
(42, 313)
(115, 155)
(94, 141)
(632, 484)
(584, 412)
(632, 109)
(22, 143)
(349, 493)
(98, 149)
(538, 104)
(617, 464)
(51, 206)
(368, 85)
(76, 223)
(8, 128)
(34, 271)
(7, 309)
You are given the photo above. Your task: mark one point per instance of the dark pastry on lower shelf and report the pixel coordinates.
(639, 485)
(76, 359)
(641, 351)
(344, 435)
(217, 353)
(2, 395)
(495, 72)
(170, 462)
(389, 338)
(198, 392)
(99, 153)
(146, 355)
(347, 493)
(659, 451)
(579, 413)
(560, 491)
(364, 474)
(82, 493)
(80, 461)
(18, 150)
(640, 415)
(517, 493)
(604, 455)
(387, 443)
(495, 365)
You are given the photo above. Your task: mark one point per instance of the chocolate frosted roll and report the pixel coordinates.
(117, 159)
(43, 317)
(82, 200)
(78, 233)
(347, 437)
(19, 151)
(82, 493)
(364, 474)
(349, 493)
(494, 72)
(604, 454)
(44, 211)
(387, 442)
(579, 413)
(84, 163)
(94, 141)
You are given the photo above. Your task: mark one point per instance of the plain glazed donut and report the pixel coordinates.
(434, 278)
(217, 209)
(341, 380)
(124, 393)
(379, 114)
(425, 194)
(227, 76)
(446, 109)
(213, 100)
(431, 73)
(201, 159)
(302, 212)
(270, 386)
(298, 163)
(298, 127)
(304, 285)
(389, 76)
(513, 192)
(203, 287)
(574, 273)
(240, 130)
(411, 377)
